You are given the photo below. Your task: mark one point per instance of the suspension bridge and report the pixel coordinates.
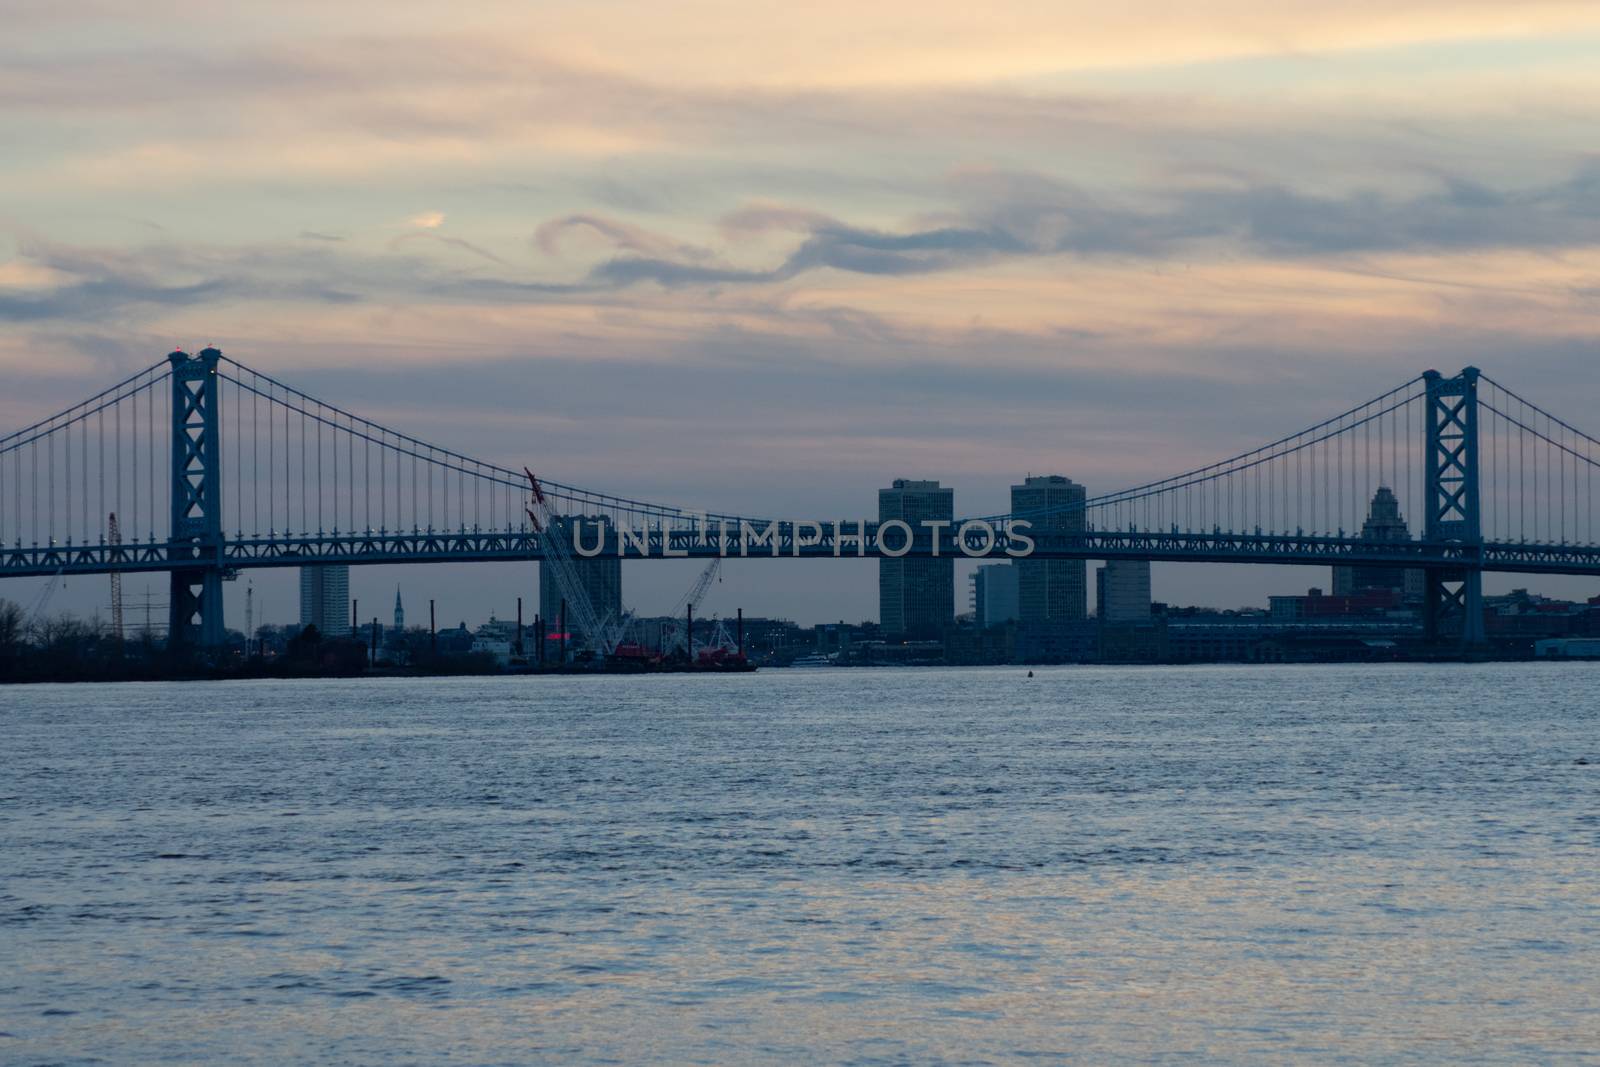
(202, 467)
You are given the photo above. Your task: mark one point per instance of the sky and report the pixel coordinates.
(765, 259)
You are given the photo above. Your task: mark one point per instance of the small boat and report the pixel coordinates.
(813, 660)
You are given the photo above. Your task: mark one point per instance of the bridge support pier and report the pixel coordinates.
(1454, 604)
(1454, 607)
(195, 612)
(195, 608)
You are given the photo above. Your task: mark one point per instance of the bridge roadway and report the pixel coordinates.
(788, 540)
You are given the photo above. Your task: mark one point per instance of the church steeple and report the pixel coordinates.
(399, 613)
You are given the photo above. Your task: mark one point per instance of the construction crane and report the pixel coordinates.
(602, 635)
(114, 536)
(42, 601)
(721, 639)
(673, 635)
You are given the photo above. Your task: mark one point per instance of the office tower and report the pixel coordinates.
(1384, 523)
(994, 594)
(325, 598)
(599, 576)
(916, 597)
(1051, 590)
(1122, 591)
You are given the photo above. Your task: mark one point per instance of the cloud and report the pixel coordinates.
(428, 220)
(991, 219)
(102, 298)
(448, 242)
(762, 218)
(1004, 216)
(833, 42)
(615, 234)
(828, 243)
(93, 284)
(335, 101)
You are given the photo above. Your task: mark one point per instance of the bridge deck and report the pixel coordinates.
(522, 546)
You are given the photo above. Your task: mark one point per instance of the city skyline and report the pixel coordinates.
(784, 272)
(461, 590)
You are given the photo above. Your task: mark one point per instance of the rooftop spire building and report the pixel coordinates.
(399, 613)
(1384, 523)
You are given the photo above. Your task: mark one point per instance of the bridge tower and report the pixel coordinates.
(1454, 604)
(195, 617)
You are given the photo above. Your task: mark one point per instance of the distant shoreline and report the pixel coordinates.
(374, 675)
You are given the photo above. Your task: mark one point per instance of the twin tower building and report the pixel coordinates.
(916, 597)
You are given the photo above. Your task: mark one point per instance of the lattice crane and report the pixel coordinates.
(114, 536)
(603, 635)
(672, 637)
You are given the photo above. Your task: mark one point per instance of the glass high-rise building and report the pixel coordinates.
(916, 597)
(1054, 590)
(599, 576)
(1122, 590)
(325, 598)
(994, 594)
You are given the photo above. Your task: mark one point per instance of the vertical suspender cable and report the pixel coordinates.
(100, 468)
(66, 475)
(238, 463)
(136, 470)
(50, 486)
(1549, 481)
(305, 519)
(164, 452)
(288, 515)
(1410, 464)
(1366, 469)
(272, 464)
(255, 455)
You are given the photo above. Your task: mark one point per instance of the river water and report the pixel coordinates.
(1264, 864)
